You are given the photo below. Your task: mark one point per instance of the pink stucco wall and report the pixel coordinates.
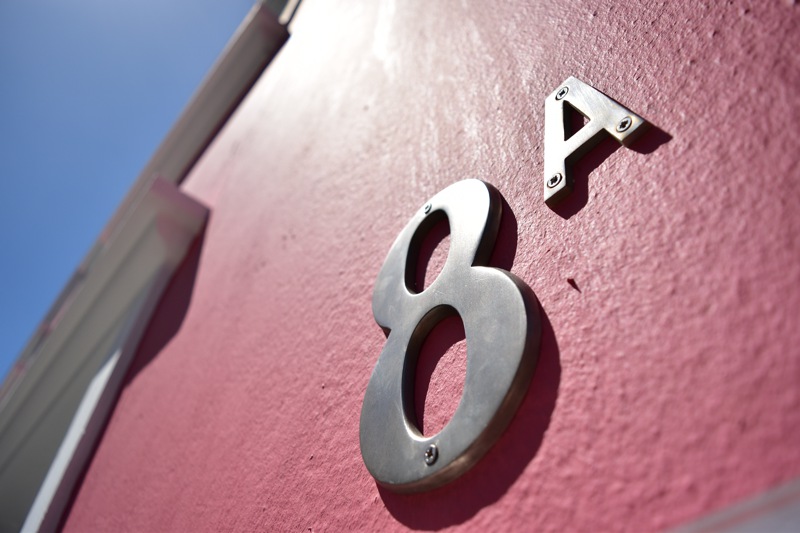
(667, 385)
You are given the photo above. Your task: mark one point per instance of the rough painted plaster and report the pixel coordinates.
(667, 385)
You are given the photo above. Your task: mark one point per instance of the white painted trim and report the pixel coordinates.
(61, 392)
(69, 446)
(96, 406)
(107, 315)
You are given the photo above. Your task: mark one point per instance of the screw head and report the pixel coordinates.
(624, 124)
(431, 454)
(562, 92)
(427, 208)
(554, 180)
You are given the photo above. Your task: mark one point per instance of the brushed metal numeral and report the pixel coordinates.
(501, 321)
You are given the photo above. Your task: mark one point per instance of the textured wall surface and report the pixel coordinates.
(667, 380)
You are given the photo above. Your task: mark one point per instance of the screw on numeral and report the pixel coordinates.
(554, 180)
(562, 92)
(624, 124)
(427, 208)
(431, 454)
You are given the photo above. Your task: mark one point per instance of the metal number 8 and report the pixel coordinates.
(501, 322)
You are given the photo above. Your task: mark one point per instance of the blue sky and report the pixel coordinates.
(88, 89)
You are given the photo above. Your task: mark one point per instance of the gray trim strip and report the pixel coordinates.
(774, 511)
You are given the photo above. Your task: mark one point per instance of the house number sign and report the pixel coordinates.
(560, 151)
(499, 312)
